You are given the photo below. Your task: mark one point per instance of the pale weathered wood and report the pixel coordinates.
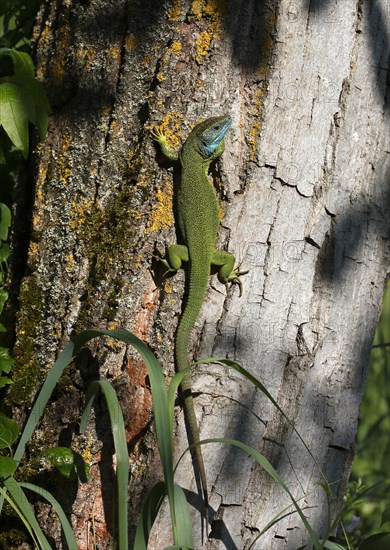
(305, 191)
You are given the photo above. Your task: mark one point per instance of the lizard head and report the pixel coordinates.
(207, 136)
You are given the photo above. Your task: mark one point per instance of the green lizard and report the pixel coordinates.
(198, 222)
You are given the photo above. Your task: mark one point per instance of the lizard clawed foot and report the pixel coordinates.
(157, 133)
(234, 278)
(160, 257)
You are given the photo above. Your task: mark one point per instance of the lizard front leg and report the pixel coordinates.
(227, 272)
(167, 151)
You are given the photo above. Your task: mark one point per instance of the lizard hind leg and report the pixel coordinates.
(227, 272)
(174, 256)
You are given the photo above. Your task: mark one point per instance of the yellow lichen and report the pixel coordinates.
(139, 469)
(132, 43)
(197, 8)
(170, 127)
(221, 211)
(168, 288)
(199, 83)
(203, 44)
(258, 99)
(41, 66)
(143, 180)
(70, 261)
(115, 129)
(33, 253)
(59, 60)
(64, 162)
(212, 10)
(86, 449)
(137, 258)
(136, 215)
(174, 49)
(162, 214)
(86, 54)
(80, 212)
(114, 52)
(174, 12)
(160, 76)
(152, 54)
(208, 8)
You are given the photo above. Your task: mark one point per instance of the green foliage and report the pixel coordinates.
(5, 224)
(22, 99)
(6, 361)
(163, 407)
(164, 429)
(16, 22)
(7, 466)
(69, 463)
(9, 431)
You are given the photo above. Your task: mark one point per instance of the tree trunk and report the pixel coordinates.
(304, 187)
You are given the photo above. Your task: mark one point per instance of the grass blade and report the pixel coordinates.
(162, 405)
(66, 527)
(120, 444)
(22, 503)
(237, 367)
(264, 463)
(20, 514)
(183, 518)
(148, 515)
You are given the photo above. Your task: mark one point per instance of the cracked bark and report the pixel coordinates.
(305, 192)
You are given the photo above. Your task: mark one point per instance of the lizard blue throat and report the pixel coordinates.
(213, 135)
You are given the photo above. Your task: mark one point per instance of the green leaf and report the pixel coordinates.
(5, 221)
(62, 459)
(332, 545)
(22, 62)
(69, 463)
(4, 380)
(3, 298)
(14, 115)
(380, 541)
(7, 466)
(6, 360)
(4, 496)
(35, 100)
(4, 252)
(385, 517)
(149, 513)
(237, 367)
(9, 431)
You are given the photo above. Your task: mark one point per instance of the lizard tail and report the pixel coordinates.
(196, 295)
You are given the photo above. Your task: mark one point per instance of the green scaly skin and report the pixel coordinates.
(198, 221)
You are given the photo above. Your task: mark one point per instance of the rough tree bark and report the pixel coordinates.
(304, 187)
